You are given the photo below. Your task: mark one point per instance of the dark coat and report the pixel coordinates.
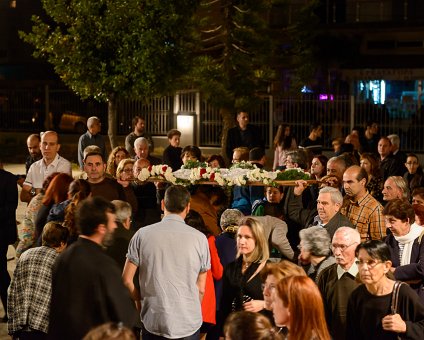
(87, 291)
(250, 138)
(8, 205)
(412, 272)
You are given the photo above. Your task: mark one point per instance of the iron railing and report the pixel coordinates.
(25, 110)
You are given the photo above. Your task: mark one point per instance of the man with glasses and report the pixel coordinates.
(337, 281)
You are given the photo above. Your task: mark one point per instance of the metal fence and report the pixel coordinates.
(36, 109)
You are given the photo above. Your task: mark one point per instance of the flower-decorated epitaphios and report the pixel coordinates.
(241, 174)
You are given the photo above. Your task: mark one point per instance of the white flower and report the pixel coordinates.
(170, 177)
(144, 174)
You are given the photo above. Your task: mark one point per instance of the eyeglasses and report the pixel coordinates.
(270, 286)
(370, 263)
(342, 247)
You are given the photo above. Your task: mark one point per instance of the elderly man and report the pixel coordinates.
(87, 284)
(173, 259)
(326, 214)
(336, 167)
(138, 124)
(395, 187)
(91, 137)
(244, 134)
(363, 210)
(398, 154)
(141, 148)
(122, 234)
(40, 170)
(337, 281)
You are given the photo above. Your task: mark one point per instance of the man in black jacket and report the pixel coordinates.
(8, 205)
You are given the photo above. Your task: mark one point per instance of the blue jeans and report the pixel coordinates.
(146, 335)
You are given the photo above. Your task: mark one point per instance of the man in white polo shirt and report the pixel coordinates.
(40, 170)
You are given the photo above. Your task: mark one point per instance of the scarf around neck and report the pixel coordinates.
(408, 241)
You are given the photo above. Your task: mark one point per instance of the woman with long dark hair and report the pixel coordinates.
(284, 142)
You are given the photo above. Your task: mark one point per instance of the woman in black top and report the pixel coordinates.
(370, 313)
(241, 279)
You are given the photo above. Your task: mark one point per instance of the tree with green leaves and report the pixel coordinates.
(113, 49)
(233, 63)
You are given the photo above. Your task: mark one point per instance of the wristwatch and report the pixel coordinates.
(32, 192)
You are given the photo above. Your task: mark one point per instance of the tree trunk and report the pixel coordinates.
(111, 116)
(227, 116)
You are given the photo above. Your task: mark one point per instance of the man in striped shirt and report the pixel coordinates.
(363, 210)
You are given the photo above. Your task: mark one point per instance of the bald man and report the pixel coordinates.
(40, 170)
(363, 210)
(91, 137)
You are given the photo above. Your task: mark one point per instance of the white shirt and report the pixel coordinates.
(38, 171)
(353, 270)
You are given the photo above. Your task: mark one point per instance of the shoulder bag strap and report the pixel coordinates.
(395, 297)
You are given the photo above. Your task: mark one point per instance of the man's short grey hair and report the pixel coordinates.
(335, 194)
(351, 234)
(316, 240)
(299, 157)
(92, 120)
(401, 184)
(394, 139)
(338, 159)
(140, 141)
(123, 210)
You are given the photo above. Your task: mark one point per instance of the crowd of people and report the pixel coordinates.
(107, 256)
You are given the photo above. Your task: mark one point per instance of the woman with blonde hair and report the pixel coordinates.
(124, 171)
(116, 155)
(242, 283)
(274, 273)
(298, 306)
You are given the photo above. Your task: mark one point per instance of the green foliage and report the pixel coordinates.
(128, 48)
(292, 175)
(194, 164)
(234, 56)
